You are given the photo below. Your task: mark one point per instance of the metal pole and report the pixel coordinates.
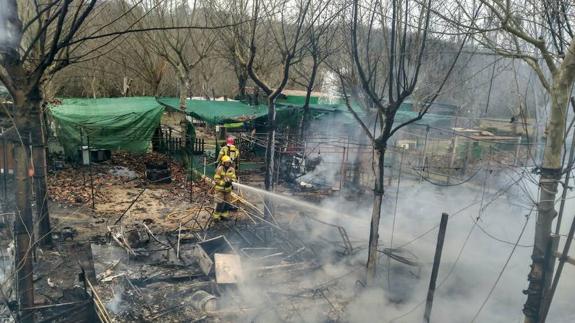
(82, 154)
(191, 176)
(90, 168)
(435, 270)
(342, 178)
(424, 155)
(4, 166)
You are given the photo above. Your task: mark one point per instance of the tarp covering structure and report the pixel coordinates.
(299, 100)
(229, 112)
(109, 123)
(218, 112)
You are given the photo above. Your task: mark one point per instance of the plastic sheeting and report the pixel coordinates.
(111, 123)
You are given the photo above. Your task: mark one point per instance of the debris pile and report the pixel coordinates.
(73, 185)
(210, 273)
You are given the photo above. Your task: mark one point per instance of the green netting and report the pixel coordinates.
(218, 112)
(116, 124)
(298, 99)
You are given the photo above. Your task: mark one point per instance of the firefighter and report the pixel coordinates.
(224, 177)
(229, 150)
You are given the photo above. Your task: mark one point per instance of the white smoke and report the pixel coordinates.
(8, 30)
(474, 255)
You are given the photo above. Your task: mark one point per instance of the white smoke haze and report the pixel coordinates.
(473, 255)
(8, 33)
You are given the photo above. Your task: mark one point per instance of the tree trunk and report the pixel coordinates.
(185, 91)
(306, 110)
(40, 167)
(310, 84)
(23, 225)
(156, 88)
(242, 76)
(542, 260)
(93, 87)
(375, 217)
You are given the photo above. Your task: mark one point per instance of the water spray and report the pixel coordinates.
(319, 211)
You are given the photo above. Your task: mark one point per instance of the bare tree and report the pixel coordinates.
(274, 39)
(37, 44)
(37, 41)
(287, 35)
(540, 33)
(234, 43)
(320, 43)
(388, 48)
(182, 49)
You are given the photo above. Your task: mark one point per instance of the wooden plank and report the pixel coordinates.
(228, 268)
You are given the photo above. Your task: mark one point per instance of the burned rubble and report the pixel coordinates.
(137, 256)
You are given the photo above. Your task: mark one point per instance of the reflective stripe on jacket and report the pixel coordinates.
(231, 151)
(220, 178)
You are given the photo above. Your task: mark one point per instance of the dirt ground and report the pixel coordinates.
(124, 197)
(133, 237)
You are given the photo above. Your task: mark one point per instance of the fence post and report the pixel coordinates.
(435, 268)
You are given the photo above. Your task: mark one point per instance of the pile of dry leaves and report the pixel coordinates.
(73, 185)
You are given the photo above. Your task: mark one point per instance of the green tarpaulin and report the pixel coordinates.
(111, 123)
(227, 112)
(298, 99)
(218, 112)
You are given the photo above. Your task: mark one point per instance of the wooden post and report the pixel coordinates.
(453, 155)
(435, 269)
